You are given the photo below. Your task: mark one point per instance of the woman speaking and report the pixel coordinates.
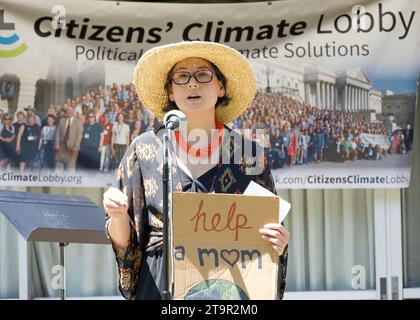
(212, 84)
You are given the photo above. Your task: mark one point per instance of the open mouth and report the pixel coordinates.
(194, 97)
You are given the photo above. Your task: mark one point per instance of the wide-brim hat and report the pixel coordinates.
(154, 66)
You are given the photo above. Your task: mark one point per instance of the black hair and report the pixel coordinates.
(221, 101)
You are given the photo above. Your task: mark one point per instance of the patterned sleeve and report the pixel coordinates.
(128, 260)
(266, 180)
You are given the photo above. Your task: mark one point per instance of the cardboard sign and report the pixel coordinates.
(219, 252)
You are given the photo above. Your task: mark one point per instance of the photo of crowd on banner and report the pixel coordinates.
(93, 131)
(298, 133)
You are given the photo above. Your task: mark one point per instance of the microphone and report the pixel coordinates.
(174, 119)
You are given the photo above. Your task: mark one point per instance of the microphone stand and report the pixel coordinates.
(172, 120)
(167, 211)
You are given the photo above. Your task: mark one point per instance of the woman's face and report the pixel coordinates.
(139, 115)
(7, 121)
(194, 96)
(92, 118)
(31, 120)
(50, 121)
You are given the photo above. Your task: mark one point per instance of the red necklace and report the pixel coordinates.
(201, 151)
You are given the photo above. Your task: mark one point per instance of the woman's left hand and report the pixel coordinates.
(277, 235)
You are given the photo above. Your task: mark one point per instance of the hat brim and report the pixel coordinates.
(152, 69)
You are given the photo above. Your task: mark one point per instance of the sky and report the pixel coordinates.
(398, 86)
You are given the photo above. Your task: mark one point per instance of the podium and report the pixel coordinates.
(50, 218)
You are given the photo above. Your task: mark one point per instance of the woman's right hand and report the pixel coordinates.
(115, 203)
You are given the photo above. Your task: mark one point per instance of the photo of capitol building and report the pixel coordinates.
(350, 90)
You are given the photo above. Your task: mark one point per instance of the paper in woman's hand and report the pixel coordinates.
(254, 189)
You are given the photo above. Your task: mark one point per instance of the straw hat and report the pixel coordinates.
(153, 67)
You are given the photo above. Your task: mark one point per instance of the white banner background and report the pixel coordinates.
(280, 36)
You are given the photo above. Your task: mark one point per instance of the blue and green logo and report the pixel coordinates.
(10, 40)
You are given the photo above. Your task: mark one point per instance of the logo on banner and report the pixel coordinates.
(9, 40)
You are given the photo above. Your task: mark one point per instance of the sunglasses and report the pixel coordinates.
(183, 77)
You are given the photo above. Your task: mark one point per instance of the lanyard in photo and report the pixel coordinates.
(47, 131)
(119, 128)
(29, 130)
(30, 137)
(87, 132)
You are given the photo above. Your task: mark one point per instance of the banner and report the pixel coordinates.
(337, 85)
(219, 252)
